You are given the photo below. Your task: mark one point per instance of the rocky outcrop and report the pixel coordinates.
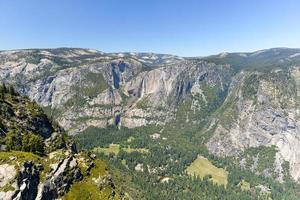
(7, 173)
(33, 182)
(7, 176)
(60, 179)
(28, 180)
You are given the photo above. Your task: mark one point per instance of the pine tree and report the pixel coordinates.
(4, 88)
(11, 90)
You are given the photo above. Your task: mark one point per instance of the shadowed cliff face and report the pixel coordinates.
(251, 99)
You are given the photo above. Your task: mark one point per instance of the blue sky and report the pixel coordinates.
(181, 27)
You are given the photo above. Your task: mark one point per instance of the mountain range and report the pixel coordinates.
(243, 106)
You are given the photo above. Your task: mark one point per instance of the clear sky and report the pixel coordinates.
(181, 27)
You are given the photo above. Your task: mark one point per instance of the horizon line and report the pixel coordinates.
(147, 52)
